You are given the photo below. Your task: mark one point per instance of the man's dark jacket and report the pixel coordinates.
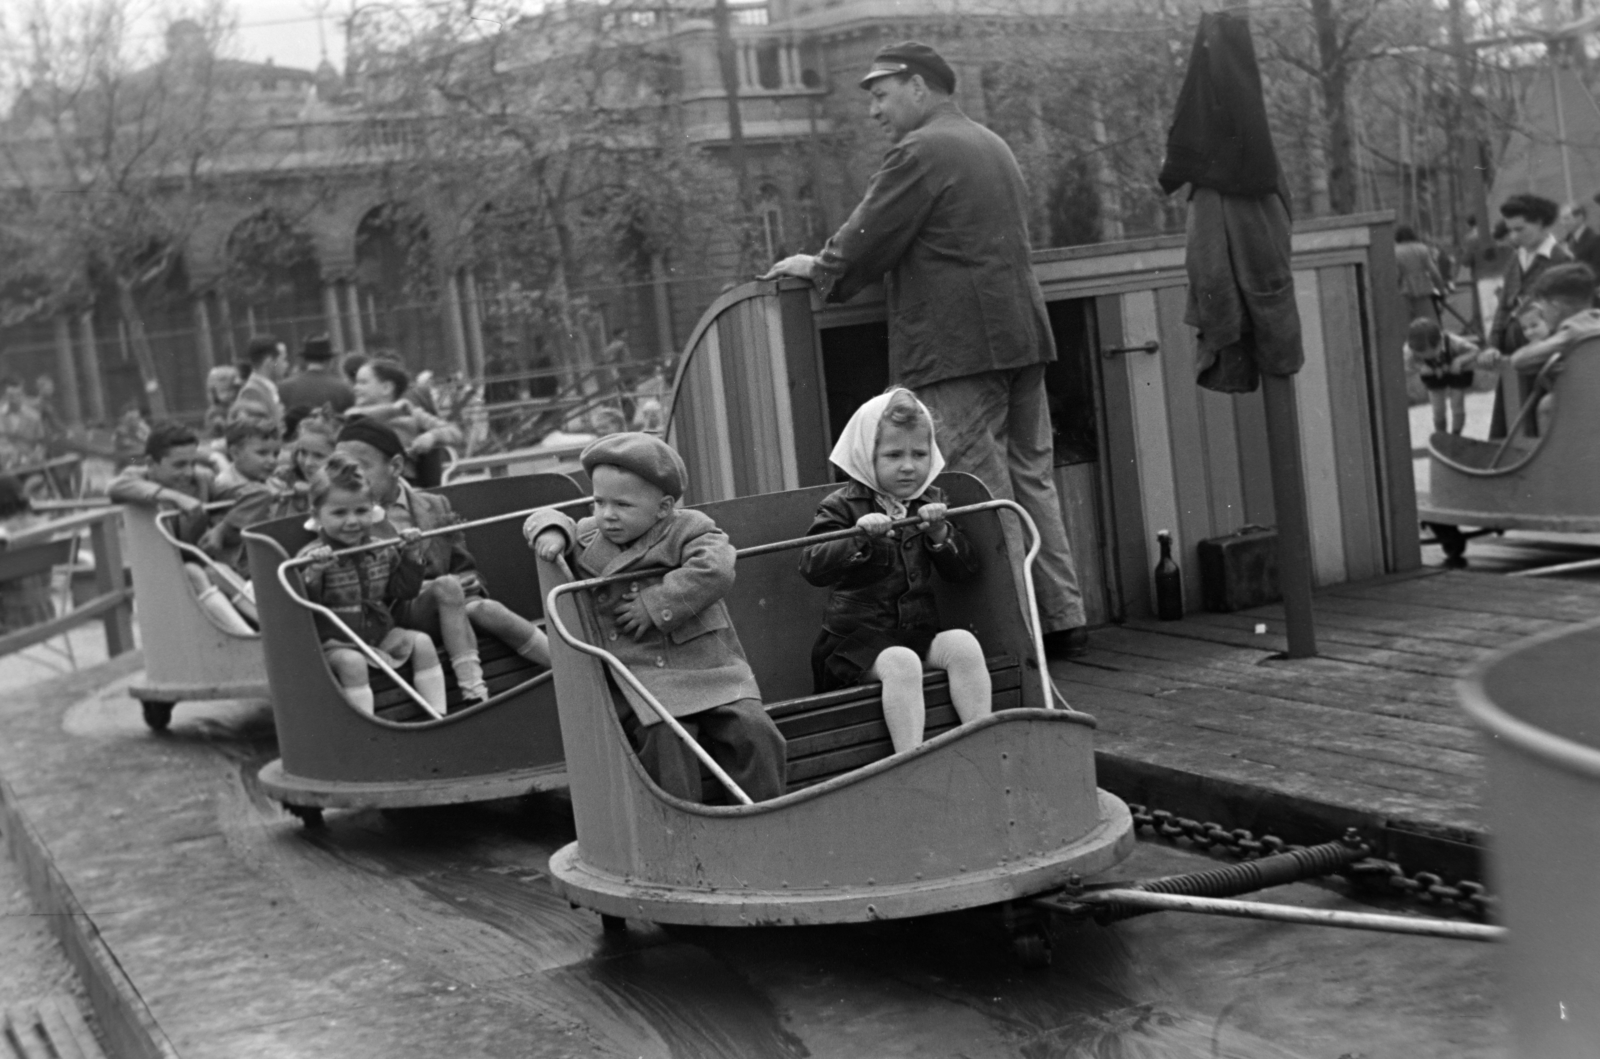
(313, 389)
(944, 224)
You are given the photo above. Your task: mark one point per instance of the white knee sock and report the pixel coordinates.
(958, 653)
(360, 697)
(469, 674)
(903, 709)
(430, 684)
(215, 604)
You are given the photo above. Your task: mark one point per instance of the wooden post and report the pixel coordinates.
(109, 577)
(202, 334)
(330, 312)
(358, 341)
(67, 369)
(1289, 497)
(93, 387)
(474, 326)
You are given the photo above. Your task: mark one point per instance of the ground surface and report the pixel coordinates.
(436, 933)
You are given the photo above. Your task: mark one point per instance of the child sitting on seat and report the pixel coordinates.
(882, 622)
(360, 588)
(1444, 363)
(672, 631)
(252, 446)
(1563, 297)
(173, 477)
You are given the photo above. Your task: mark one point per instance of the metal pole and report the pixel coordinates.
(1289, 498)
(1316, 917)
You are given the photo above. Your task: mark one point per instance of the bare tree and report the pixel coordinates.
(108, 155)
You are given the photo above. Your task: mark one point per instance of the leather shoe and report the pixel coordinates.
(1067, 643)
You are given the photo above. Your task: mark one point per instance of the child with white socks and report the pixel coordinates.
(882, 622)
(361, 588)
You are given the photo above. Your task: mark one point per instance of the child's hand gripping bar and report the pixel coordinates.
(372, 655)
(1051, 695)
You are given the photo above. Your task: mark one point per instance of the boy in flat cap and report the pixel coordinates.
(944, 224)
(672, 631)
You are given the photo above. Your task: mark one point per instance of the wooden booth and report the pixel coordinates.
(770, 375)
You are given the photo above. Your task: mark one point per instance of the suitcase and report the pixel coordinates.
(1239, 571)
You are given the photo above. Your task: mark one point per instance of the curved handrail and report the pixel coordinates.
(234, 581)
(1527, 406)
(372, 655)
(552, 613)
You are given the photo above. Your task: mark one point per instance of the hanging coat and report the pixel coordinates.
(1241, 280)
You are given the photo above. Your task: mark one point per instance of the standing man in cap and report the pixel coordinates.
(944, 224)
(317, 384)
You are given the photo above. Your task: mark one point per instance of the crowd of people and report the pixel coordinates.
(1545, 306)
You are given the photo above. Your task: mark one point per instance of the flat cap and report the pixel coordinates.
(644, 454)
(911, 57)
(371, 432)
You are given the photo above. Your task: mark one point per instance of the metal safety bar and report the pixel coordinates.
(1051, 695)
(230, 577)
(372, 655)
(1320, 917)
(1527, 406)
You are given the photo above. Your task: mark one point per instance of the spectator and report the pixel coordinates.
(1528, 219)
(21, 429)
(1420, 281)
(258, 397)
(317, 384)
(44, 402)
(222, 387)
(382, 394)
(1584, 242)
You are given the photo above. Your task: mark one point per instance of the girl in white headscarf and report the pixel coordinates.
(882, 622)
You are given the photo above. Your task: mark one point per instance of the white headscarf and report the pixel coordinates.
(856, 452)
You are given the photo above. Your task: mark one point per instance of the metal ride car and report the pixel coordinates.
(985, 813)
(187, 655)
(333, 756)
(1548, 482)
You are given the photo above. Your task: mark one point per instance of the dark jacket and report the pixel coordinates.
(1506, 334)
(1219, 137)
(313, 389)
(944, 224)
(361, 589)
(883, 582)
(445, 554)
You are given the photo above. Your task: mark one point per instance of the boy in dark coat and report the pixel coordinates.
(672, 631)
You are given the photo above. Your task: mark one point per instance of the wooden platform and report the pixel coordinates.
(1201, 717)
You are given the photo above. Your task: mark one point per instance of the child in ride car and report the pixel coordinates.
(1563, 296)
(252, 446)
(882, 622)
(671, 630)
(360, 588)
(174, 477)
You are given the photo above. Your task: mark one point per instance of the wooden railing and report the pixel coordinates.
(112, 602)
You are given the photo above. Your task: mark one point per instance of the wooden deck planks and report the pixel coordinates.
(1372, 725)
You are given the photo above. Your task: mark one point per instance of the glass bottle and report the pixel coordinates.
(1169, 582)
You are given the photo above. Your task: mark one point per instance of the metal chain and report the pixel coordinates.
(1463, 896)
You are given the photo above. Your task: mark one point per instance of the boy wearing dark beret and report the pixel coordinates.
(672, 631)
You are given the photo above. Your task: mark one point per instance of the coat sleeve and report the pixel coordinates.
(549, 518)
(828, 564)
(958, 559)
(444, 432)
(880, 230)
(131, 486)
(704, 575)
